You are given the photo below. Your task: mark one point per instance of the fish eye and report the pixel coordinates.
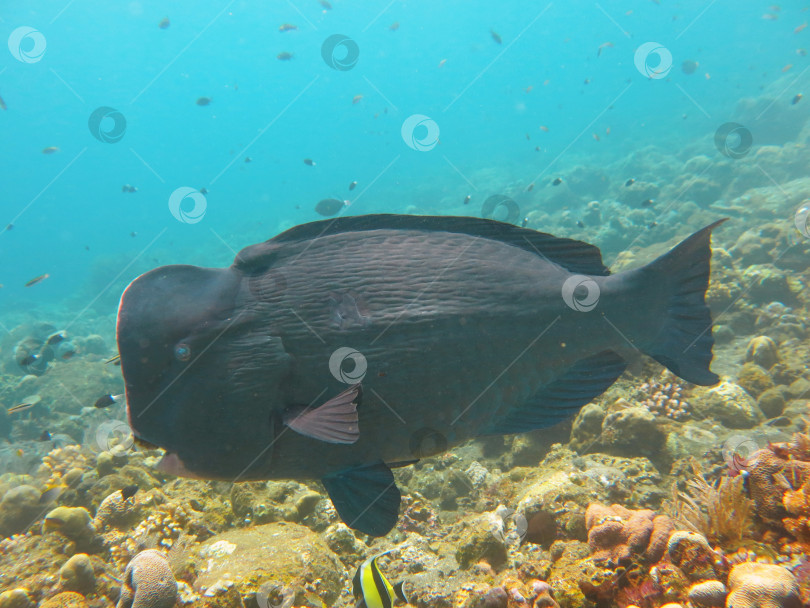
(182, 352)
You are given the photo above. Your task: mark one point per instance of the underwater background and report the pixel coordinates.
(141, 134)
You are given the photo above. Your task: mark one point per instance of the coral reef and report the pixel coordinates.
(148, 582)
(753, 585)
(616, 534)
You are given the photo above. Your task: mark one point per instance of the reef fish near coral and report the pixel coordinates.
(454, 327)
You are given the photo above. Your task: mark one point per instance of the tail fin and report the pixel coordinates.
(684, 344)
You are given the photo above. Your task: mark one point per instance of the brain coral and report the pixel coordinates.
(755, 585)
(148, 582)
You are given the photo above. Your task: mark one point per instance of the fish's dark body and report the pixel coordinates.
(464, 326)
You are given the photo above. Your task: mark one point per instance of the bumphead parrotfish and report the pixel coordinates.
(342, 348)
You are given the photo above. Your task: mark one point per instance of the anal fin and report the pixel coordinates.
(554, 402)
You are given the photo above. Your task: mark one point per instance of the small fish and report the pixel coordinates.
(356, 99)
(50, 149)
(107, 400)
(9, 226)
(164, 23)
(325, 4)
(248, 159)
(689, 66)
(45, 436)
(394, 26)
(544, 128)
(3, 105)
(203, 101)
(630, 182)
(284, 56)
(528, 137)
(442, 62)
(787, 67)
(525, 222)
(580, 224)
(38, 279)
(798, 29)
(797, 98)
(647, 202)
(467, 199)
(128, 188)
(530, 187)
(528, 89)
(68, 354)
(770, 17)
(607, 131)
(29, 360)
(287, 27)
(128, 492)
(133, 234)
(801, 52)
(602, 47)
(19, 452)
(203, 190)
(537, 148)
(370, 587)
(496, 36)
(595, 136)
(586, 81)
(56, 338)
(557, 181)
(116, 360)
(652, 225)
(309, 161)
(352, 186)
(21, 407)
(330, 206)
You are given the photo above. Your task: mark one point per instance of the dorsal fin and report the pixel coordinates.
(575, 256)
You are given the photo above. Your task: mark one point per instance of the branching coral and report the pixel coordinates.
(721, 512)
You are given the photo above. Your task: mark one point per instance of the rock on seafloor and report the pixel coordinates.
(282, 554)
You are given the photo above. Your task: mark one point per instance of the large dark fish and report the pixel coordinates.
(341, 348)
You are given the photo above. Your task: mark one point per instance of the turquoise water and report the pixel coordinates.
(72, 220)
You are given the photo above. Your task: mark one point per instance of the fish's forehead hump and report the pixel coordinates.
(256, 258)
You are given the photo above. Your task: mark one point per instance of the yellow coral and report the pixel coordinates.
(797, 503)
(60, 461)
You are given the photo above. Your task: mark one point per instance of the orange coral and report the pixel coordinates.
(797, 503)
(616, 533)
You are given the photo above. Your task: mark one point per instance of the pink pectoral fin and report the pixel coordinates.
(171, 464)
(335, 421)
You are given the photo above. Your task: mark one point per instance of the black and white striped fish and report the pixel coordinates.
(372, 589)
